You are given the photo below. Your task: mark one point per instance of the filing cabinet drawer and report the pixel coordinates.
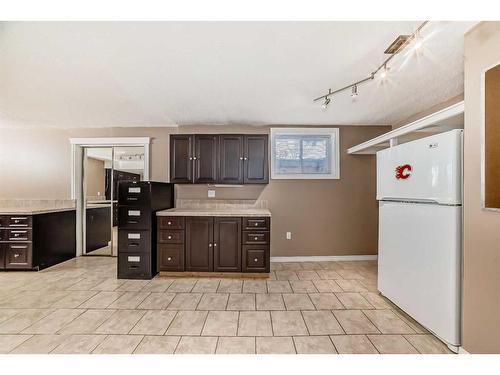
(255, 258)
(134, 218)
(171, 236)
(256, 238)
(170, 222)
(134, 266)
(18, 256)
(170, 257)
(128, 194)
(17, 235)
(256, 223)
(134, 241)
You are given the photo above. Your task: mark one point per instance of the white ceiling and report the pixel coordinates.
(90, 74)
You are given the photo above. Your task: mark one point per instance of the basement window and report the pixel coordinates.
(305, 153)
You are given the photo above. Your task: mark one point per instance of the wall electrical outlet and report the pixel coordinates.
(211, 193)
(288, 235)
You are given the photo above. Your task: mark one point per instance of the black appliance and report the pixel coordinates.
(137, 206)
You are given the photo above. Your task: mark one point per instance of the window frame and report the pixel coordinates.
(334, 153)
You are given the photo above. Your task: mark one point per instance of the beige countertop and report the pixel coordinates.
(33, 210)
(235, 212)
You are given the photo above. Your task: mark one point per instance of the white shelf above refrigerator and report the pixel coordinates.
(449, 118)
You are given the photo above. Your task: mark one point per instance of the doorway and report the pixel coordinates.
(98, 166)
(103, 169)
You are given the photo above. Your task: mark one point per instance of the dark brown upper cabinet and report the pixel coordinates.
(181, 158)
(227, 244)
(222, 159)
(255, 159)
(231, 159)
(205, 159)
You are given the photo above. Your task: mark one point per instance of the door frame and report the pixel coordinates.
(77, 145)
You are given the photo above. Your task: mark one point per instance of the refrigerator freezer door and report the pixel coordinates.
(428, 169)
(419, 263)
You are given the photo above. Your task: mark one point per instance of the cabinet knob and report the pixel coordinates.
(16, 221)
(215, 245)
(169, 237)
(169, 259)
(194, 158)
(241, 158)
(256, 238)
(209, 245)
(256, 224)
(169, 223)
(256, 259)
(246, 159)
(190, 158)
(16, 255)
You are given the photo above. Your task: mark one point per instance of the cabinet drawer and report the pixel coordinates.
(170, 257)
(18, 256)
(134, 218)
(129, 194)
(171, 236)
(17, 235)
(170, 222)
(256, 238)
(255, 258)
(256, 223)
(17, 221)
(134, 266)
(134, 241)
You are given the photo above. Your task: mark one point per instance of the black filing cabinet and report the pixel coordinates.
(137, 206)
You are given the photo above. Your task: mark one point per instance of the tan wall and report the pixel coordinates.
(95, 177)
(326, 217)
(481, 320)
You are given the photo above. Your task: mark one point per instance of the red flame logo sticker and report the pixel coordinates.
(403, 171)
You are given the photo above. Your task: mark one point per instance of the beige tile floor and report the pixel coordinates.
(309, 307)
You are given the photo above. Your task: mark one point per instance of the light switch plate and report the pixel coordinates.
(211, 193)
(288, 235)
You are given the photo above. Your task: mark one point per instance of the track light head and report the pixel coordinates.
(354, 92)
(324, 106)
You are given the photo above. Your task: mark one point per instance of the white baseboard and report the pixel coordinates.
(461, 350)
(331, 258)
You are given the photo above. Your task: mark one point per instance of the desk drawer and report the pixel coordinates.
(170, 257)
(170, 222)
(256, 238)
(256, 223)
(15, 221)
(255, 258)
(171, 236)
(17, 235)
(18, 256)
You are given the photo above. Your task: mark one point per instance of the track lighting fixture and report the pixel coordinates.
(397, 46)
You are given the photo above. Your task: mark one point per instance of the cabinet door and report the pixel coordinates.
(2, 256)
(230, 159)
(181, 158)
(256, 163)
(199, 241)
(205, 160)
(227, 244)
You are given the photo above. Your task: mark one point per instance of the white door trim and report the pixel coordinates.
(331, 258)
(77, 145)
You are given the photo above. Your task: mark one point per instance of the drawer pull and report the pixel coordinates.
(169, 259)
(169, 237)
(215, 245)
(256, 224)
(256, 259)
(209, 245)
(131, 198)
(256, 238)
(17, 255)
(169, 223)
(19, 247)
(132, 221)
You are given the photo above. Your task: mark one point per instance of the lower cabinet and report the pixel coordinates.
(212, 244)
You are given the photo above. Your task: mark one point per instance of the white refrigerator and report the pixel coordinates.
(419, 188)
